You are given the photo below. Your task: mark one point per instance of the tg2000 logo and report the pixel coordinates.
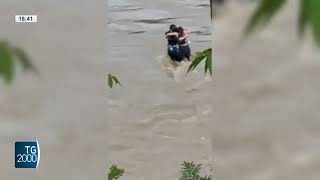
(27, 154)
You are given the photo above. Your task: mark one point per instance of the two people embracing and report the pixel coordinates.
(178, 43)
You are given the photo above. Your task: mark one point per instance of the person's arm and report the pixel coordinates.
(172, 34)
(187, 32)
(183, 37)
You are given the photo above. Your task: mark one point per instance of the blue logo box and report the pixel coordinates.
(27, 154)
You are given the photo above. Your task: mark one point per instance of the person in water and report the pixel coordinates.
(178, 47)
(183, 42)
(173, 43)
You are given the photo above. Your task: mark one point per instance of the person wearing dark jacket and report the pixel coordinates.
(173, 44)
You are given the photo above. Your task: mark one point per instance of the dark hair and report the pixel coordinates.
(180, 31)
(172, 27)
(174, 30)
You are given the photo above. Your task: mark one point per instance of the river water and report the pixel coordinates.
(158, 120)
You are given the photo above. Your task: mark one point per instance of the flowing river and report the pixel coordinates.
(159, 121)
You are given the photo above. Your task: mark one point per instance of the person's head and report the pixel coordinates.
(180, 31)
(172, 27)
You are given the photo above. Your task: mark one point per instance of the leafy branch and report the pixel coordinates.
(113, 80)
(115, 173)
(309, 14)
(263, 14)
(206, 56)
(9, 55)
(191, 171)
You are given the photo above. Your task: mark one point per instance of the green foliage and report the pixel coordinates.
(113, 80)
(9, 55)
(6, 62)
(309, 14)
(303, 17)
(24, 59)
(115, 172)
(313, 17)
(205, 178)
(263, 14)
(206, 56)
(191, 171)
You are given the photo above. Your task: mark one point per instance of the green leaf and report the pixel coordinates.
(198, 58)
(314, 18)
(7, 69)
(309, 14)
(113, 80)
(116, 80)
(110, 80)
(208, 65)
(115, 172)
(303, 16)
(265, 11)
(22, 56)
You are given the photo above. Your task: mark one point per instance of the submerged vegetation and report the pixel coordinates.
(189, 171)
